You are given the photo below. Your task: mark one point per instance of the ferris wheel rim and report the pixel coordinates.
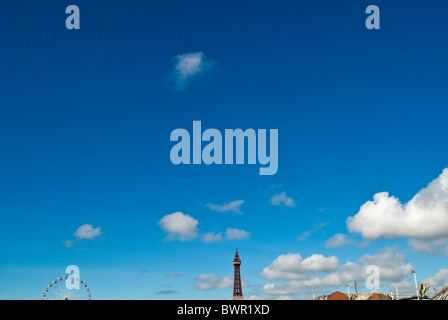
(56, 287)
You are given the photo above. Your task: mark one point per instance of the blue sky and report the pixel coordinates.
(86, 117)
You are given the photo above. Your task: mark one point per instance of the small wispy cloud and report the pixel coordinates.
(338, 240)
(189, 66)
(211, 281)
(167, 292)
(281, 199)
(233, 206)
(85, 231)
(316, 227)
(230, 234)
(211, 237)
(174, 275)
(236, 234)
(68, 243)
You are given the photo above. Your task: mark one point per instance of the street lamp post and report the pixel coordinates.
(416, 286)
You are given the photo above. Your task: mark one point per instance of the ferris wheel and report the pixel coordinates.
(59, 290)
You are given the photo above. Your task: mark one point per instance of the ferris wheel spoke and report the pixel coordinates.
(66, 289)
(78, 295)
(62, 289)
(76, 292)
(57, 289)
(55, 292)
(81, 292)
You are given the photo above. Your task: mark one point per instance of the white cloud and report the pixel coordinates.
(405, 287)
(285, 298)
(189, 66)
(432, 246)
(233, 206)
(183, 227)
(338, 240)
(423, 218)
(281, 199)
(292, 267)
(334, 279)
(211, 281)
(86, 231)
(288, 288)
(391, 262)
(318, 272)
(317, 262)
(236, 234)
(179, 226)
(211, 237)
(439, 280)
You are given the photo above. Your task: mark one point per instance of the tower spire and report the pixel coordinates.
(237, 287)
